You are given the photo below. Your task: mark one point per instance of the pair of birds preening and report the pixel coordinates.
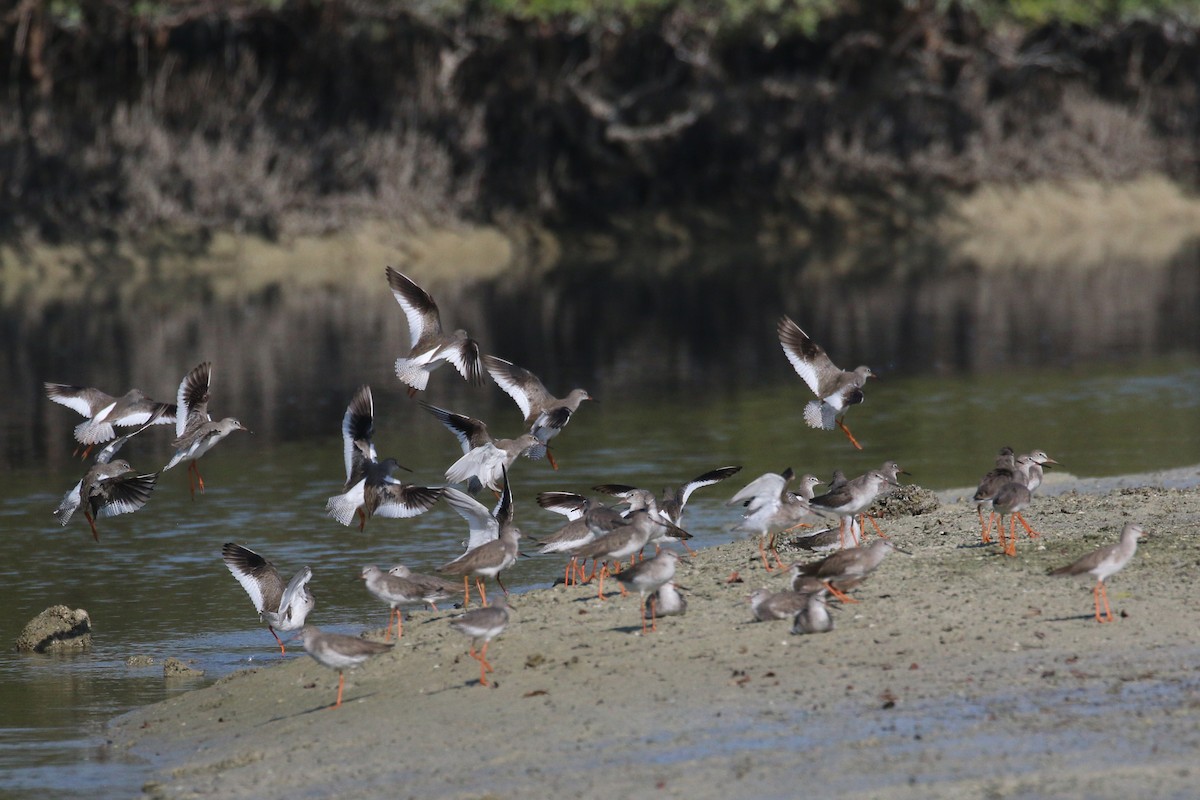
(111, 486)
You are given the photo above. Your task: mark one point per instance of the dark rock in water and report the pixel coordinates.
(905, 501)
(58, 628)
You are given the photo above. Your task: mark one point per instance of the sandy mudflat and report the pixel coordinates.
(961, 673)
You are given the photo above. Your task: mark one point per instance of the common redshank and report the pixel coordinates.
(493, 545)
(430, 346)
(545, 414)
(400, 593)
(852, 497)
(484, 458)
(103, 411)
(1004, 472)
(814, 617)
(767, 605)
(284, 607)
(850, 565)
(482, 625)
(1103, 563)
(434, 589)
(835, 388)
(109, 488)
(647, 577)
(339, 651)
(771, 509)
(370, 490)
(195, 431)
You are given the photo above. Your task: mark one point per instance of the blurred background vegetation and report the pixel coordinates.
(278, 116)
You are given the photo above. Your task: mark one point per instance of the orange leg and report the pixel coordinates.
(840, 595)
(362, 519)
(1032, 533)
(985, 527)
(762, 553)
(603, 572)
(341, 685)
(690, 551)
(644, 618)
(92, 521)
(503, 588)
(849, 435)
(862, 526)
(550, 458)
(653, 617)
(480, 589)
(569, 572)
(1100, 592)
(86, 451)
(1010, 548)
(282, 649)
(466, 591)
(412, 392)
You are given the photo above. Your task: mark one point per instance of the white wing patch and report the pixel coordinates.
(483, 526)
(485, 462)
(805, 369)
(513, 390)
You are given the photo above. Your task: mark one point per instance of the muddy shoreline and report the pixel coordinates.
(960, 673)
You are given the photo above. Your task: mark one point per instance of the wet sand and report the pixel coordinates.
(961, 672)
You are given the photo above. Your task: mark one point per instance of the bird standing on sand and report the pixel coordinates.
(836, 389)
(1004, 472)
(430, 347)
(1104, 563)
(103, 411)
(771, 509)
(398, 593)
(282, 607)
(482, 625)
(851, 498)
(668, 601)
(111, 487)
(434, 589)
(370, 489)
(851, 565)
(493, 545)
(340, 652)
(545, 414)
(647, 577)
(767, 605)
(195, 431)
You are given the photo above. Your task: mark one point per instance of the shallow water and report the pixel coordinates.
(688, 377)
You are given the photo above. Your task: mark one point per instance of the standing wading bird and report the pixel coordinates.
(836, 389)
(195, 431)
(647, 577)
(430, 346)
(104, 411)
(433, 587)
(771, 509)
(1104, 563)
(282, 607)
(673, 499)
(1004, 472)
(111, 487)
(493, 543)
(621, 537)
(573, 535)
(851, 498)
(340, 652)
(370, 489)
(400, 592)
(644, 500)
(545, 414)
(849, 566)
(484, 459)
(482, 625)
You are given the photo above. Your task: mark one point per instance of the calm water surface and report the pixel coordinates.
(1099, 368)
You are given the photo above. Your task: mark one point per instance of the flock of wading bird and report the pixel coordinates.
(605, 533)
